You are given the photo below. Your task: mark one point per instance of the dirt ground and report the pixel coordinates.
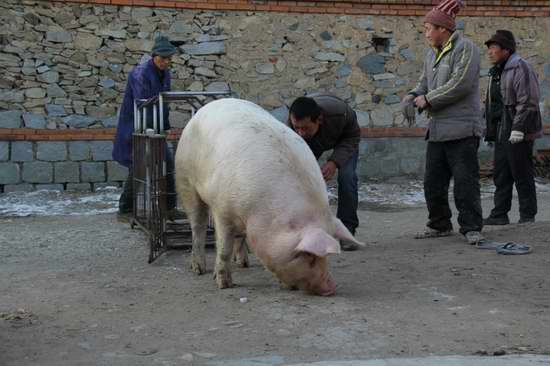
(77, 290)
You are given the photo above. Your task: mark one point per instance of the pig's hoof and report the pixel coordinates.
(242, 262)
(198, 266)
(284, 286)
(223, 279)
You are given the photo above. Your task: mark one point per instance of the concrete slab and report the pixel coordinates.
(519, 360)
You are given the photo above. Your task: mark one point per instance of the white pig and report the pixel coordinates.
(257, 178)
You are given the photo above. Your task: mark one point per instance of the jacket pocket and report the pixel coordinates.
(443, 73)
(509, 96)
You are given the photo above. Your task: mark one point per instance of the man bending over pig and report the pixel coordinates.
(326, 122)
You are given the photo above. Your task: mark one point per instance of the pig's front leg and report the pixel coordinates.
(198, 258)
(240, 252)
(197, 213)
(225, 238)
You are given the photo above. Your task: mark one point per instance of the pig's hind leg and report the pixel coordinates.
(240, 252)
(197, 213)
(225, 238)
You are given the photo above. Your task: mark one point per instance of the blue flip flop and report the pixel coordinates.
(513, 248)
(487, 244)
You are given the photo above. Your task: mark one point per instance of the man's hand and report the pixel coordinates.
(328, 170)
(516, 136)
(407, 98)
(421, 102)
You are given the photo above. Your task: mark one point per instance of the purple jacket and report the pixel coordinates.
(143, 83)
(520, 91)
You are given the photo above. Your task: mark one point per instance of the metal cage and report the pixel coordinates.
(150, 172)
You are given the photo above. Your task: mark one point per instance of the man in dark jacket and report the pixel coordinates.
(448, 91)
(326, 122)
(513, 122)
(145, 81)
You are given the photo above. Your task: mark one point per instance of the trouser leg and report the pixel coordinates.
(171, 200)
(462, 155)
(348, 196)
(503, 180)
(521, 164)
(436, 187)
(126, 200)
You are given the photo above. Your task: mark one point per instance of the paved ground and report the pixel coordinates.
(76, 290)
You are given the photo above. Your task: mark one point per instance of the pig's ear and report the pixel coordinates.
(343, 233)
(319, 243)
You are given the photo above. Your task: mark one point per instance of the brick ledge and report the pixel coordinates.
(29, 134)
(484, 8)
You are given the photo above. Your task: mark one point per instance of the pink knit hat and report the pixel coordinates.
(444, 14)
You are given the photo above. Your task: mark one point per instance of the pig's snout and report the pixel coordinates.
(328, 288)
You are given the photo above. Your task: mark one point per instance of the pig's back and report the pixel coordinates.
(233, 148)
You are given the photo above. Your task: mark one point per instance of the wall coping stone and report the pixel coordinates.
(108, 134)
(482, 8)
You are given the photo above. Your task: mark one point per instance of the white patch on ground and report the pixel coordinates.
(459, 308)
(53, 203)
(436, 294)
(405, 193)
(400, 193)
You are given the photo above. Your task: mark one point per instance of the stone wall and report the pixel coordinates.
(86, 165)
(65, 67)
(388, 157)
(61, 165)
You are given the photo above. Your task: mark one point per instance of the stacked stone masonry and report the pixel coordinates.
(65, 65)
(72, 165)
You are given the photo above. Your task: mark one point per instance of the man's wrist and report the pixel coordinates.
(333, 162)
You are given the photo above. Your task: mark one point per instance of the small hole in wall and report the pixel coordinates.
(381, 44)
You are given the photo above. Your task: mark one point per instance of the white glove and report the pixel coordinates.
(516, 136)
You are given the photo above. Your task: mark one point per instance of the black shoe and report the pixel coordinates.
(496, 221)
(348, 246)
(123, 216)
(526, 220)
(174, 214)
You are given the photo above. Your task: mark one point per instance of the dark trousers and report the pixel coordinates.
(513, 164)
(348, 196)
(455, 159)
(126, 201)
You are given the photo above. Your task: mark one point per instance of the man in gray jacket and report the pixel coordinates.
(448, 91)
(513, 122)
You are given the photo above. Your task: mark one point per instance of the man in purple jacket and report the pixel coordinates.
(145, 81)
(513, 123)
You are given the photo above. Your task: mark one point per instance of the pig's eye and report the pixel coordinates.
(310, 259)
(307, 257)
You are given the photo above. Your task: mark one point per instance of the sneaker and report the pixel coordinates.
(489, 221)
(473, 237)
(348, 246)
(433, 233)
(526, 220)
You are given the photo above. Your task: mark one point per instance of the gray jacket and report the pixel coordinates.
(451, 87)
(519, 87)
